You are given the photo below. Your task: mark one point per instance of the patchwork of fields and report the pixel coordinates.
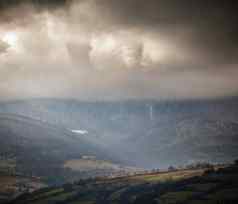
(199, 186)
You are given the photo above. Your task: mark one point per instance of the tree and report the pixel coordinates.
(236, 162)
(68, 187)
(171, 168)
(209, 171)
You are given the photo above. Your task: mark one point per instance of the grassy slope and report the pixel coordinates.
(191, 186)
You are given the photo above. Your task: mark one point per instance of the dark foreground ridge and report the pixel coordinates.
(217, 185)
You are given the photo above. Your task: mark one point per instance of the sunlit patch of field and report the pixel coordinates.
(182, 186)
(169, 176)
(89, 164)
(11, 186)
(153, 177)
(8, 184)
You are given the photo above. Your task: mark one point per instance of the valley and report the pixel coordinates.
(207, 185)
(51, 143)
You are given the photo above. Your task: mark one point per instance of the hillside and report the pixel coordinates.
(197, 186)
(37, 148)
(147, 134)
(52, 142)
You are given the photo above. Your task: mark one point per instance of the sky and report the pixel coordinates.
(118, 50)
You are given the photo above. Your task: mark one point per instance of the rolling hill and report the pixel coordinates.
(41, 149)
(197, 186)
(147, 134)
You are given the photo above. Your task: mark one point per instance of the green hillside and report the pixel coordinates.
(197, 186)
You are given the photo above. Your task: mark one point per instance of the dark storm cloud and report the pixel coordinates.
(208, 27)
(118, 49)
(22, 11)
(5, 4)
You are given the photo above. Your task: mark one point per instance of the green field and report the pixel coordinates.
(177, 187)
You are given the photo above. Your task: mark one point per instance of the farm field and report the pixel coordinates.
(12, 186)
(197, 186)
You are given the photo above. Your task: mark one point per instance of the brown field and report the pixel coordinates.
(11, 186)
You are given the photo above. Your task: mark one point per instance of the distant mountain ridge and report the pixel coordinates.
(145, 133)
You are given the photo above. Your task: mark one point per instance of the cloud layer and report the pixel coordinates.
(113, 50)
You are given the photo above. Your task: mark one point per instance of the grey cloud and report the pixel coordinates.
(110, 49)
(206, 27)
(3, 47)
(79, 54)
(37, 3)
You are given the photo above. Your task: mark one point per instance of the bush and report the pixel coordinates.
(68, 187)
(209, 171)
